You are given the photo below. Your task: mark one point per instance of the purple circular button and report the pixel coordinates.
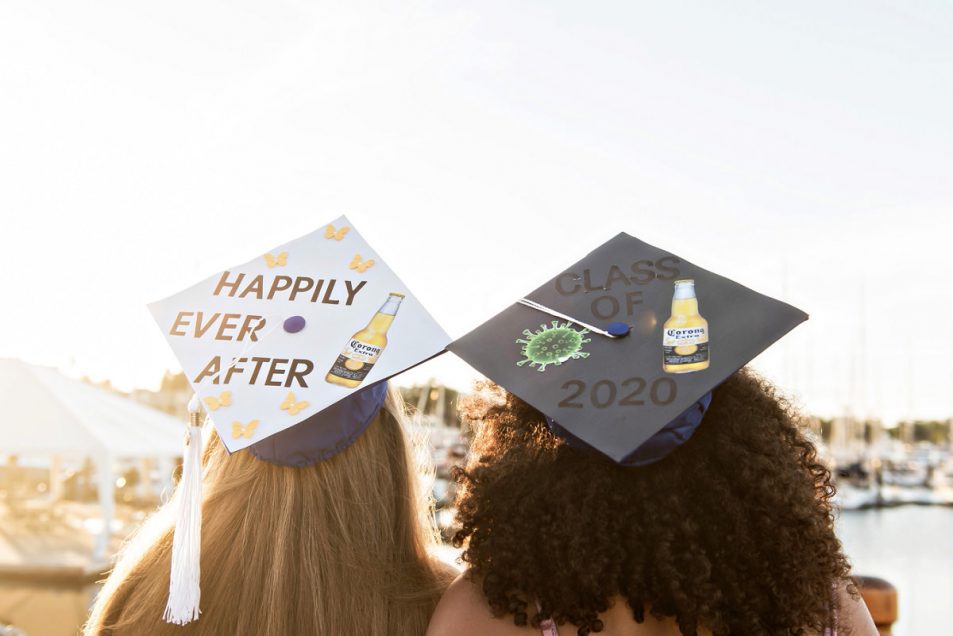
(618, 329)
(294, 324)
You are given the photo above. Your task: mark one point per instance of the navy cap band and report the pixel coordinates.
(655, 448)
(324, 434)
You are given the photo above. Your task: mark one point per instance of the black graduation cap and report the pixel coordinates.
(626, 345)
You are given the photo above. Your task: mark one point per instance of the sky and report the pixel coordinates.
(803, 150)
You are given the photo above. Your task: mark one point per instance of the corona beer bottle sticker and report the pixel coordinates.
(356, 361)
(687, 345)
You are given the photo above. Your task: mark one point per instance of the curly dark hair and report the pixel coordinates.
(733, 532)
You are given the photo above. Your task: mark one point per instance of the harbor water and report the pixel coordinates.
(912, 548)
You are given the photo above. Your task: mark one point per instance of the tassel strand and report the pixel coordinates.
(184, 589)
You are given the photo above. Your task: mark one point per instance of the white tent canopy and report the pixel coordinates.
(47, 413)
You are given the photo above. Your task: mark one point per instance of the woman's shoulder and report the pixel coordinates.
(463, 611)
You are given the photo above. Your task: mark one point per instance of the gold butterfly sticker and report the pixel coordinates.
(214, 403)
(292, 406)
(359, 265)
(337, 235)
(240, 430)
(281, 260)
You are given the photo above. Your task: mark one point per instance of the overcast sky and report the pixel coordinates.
(805, 150)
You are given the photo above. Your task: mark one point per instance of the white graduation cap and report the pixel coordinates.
(275, 340)
(281, 340)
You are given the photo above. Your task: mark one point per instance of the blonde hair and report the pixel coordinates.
(339, 547)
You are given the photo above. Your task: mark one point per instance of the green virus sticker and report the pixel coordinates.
(552, 345)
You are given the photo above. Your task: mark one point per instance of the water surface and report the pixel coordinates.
(912, 547)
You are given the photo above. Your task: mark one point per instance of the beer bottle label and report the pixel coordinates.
(356, 361)
(686, 345)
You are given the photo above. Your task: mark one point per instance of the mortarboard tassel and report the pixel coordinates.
(184, 589)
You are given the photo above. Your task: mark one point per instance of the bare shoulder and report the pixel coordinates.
(853, 612)
(463, 611)
(445, 572)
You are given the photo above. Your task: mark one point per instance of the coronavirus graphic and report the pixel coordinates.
(552, 345)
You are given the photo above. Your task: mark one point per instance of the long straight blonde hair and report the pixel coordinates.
(339, 547)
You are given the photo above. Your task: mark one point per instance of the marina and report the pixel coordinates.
(389, 240)
(63, 518)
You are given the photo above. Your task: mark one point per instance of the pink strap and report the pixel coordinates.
(548, 626)
(832, 630)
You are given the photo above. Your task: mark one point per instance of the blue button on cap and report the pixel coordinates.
(618, 329)
(294, 324)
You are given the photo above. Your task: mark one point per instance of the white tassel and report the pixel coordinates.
(184, 589)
